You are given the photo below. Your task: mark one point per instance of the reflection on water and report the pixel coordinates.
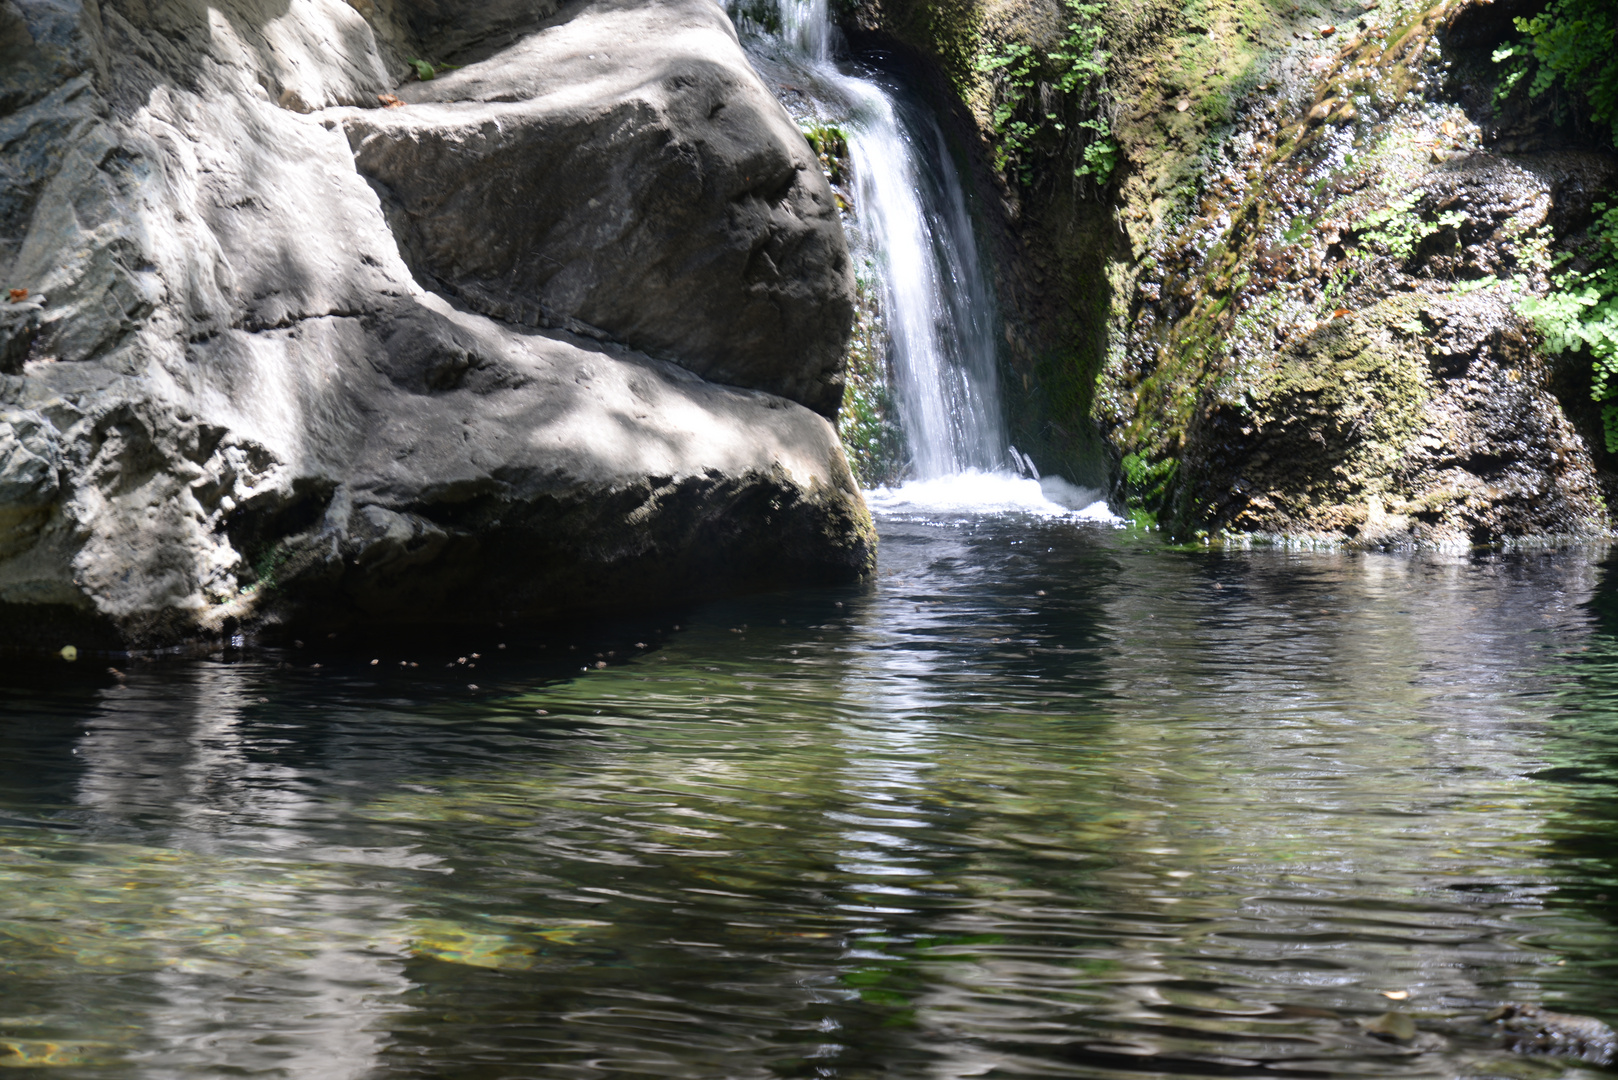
(1048, 800)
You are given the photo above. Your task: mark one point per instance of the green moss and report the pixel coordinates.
(1101, 115)
(868, 424)
(830, 144)
(1147, 485)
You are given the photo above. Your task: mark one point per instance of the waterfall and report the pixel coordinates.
(914, 228)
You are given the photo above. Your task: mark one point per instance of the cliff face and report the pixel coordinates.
(1294, 308)
(296, 338)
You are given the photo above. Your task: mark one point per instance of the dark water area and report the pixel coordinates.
(1046, 800)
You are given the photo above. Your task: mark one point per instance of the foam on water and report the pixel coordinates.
(976, 492)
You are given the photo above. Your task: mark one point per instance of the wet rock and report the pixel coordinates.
(1529, 1029)
(240, 408)
(1333, 348)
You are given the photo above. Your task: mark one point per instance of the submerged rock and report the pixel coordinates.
(1392, 1027)
(1529, 1029)
(238, 406)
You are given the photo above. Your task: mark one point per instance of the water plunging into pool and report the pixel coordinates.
(914, 229)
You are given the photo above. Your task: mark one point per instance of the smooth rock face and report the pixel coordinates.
(623, 172)
(226, 401)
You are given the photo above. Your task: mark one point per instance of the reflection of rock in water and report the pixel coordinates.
(1528, 1029)
(204, 899)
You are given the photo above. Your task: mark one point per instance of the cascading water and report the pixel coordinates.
(915, 230)
(938, 311)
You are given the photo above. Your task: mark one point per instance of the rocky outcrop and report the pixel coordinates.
(251, 383)
(1332, 348)
(626, 175)
(1294, 311)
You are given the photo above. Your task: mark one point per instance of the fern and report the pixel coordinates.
(1580, 314)
(1076, 70)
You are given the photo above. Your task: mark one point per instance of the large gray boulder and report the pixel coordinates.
(227, 402)
(624, 173)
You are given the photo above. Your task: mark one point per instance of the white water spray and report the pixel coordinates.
(916, 232)
(936, 304)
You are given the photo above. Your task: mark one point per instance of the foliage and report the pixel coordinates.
(830, 144)
(265, 568)
(1580, 313)
(1398, 230)
(1574, 43)
(425, 69)
(1571, 42)
(1074, 71)
(1014, 70)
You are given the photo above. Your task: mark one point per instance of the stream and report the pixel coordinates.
(1047, 800)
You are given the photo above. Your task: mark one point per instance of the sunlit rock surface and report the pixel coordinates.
(626, 174)
(225, 400)
(1293, 312)
(1332, 348)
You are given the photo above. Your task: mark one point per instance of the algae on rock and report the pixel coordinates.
(1294, 311)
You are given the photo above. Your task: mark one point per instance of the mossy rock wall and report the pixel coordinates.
(1291, 311)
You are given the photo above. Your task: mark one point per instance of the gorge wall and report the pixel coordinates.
(328, 313)
(1262, 263)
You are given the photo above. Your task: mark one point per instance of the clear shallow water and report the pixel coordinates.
(1047, 800)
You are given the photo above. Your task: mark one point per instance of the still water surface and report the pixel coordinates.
(1047, 800)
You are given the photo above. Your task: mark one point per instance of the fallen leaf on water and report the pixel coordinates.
(18, 295)
(390, 101)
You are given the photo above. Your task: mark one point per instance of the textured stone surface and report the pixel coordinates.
(625, 173)
(227, 402)
(1331, 348)
(1253, 359)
